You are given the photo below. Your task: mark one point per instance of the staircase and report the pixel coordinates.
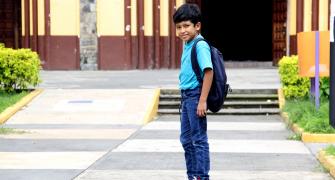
(238, 102)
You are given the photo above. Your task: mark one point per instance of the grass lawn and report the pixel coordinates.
(9, 99)
(304, 113)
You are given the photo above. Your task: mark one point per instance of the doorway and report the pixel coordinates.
(241, 30)
(10, 23)
(246, 30)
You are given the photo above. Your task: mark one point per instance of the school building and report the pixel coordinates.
(140, 34)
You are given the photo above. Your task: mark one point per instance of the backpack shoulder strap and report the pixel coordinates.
(194, 60)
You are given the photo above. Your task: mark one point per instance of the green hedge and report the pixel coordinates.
(19, 69)
(294, 86)
(325, 87)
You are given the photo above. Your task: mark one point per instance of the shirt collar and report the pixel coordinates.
(191, 43)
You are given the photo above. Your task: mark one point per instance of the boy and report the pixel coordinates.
(193, 135)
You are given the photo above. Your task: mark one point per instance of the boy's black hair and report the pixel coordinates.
(187, 12)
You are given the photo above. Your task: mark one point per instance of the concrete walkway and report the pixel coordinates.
(67, 130)
(88, 125)
(242, 148)
(135, 79)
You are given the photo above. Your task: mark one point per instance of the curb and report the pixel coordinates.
(281, 98)
(294, 127)
(152, 108)
(306, 136)
(327, 161)
(10, 111)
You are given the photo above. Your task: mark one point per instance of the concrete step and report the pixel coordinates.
(239, 102)
(227, 104)
(250, 111)
(234, 91)
(232, 97)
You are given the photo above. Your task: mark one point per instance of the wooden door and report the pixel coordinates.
(279, 17)
(10, 28)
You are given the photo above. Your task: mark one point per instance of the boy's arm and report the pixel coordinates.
(206, 86)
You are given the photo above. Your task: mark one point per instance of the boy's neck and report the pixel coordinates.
(193, 38)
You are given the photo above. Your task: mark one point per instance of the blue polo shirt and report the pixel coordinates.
(187, 78)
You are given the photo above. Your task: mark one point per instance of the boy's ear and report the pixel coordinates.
(197, 26)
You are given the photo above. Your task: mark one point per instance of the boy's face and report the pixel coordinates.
(187, 31)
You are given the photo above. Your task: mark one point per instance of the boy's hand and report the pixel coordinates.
(202, 109)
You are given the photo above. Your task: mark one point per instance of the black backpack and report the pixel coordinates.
(219, 88)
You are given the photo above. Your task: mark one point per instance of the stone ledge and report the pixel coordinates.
(10, 111)
(249, 64)
(152, 109)
(327, 161)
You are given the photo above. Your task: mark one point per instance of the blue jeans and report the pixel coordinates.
(193, 136)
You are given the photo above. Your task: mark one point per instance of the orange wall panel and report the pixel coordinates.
(306, 53)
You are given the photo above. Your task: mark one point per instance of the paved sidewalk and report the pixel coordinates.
(68, 130)
(242, 148)
(88, 125)
(148, 79)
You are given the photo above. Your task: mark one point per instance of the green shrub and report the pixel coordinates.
(294, 86)
(324, 87)
(19, 69)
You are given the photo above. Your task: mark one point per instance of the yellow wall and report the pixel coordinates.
(164, 17)
(40, 17)
(110, 17)
(148, 17)
(307, 15)
(179, 3)
(22, 16)
(64, 17)
(293, 17)
(323, 15)
(133, 17)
